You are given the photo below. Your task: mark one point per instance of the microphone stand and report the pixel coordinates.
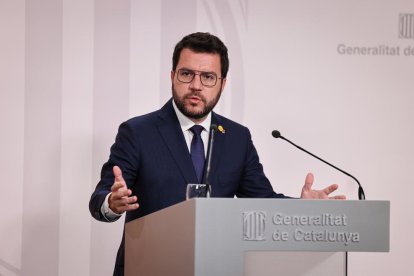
(361, 193)
(206, 179)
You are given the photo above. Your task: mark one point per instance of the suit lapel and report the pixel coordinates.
(171, 132)
(218, 147)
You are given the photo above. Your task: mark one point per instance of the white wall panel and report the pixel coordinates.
(76, 158)
(145, 62)
(110, 109)
(12, 76)
(42, 137)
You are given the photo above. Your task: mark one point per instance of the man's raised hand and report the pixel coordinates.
(308, 193)
(120, 199)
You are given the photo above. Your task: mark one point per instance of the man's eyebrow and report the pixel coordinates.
(208, 72)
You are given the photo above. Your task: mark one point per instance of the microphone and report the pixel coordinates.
(361, 194)
(206, 180)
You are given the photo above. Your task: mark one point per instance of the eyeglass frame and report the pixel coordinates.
(196, 72)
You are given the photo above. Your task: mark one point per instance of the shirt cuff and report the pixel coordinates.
(108, 214)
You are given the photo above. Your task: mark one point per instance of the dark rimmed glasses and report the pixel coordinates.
(208, 79)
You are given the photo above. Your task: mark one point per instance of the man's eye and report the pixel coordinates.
(208, 76)
(186, 73)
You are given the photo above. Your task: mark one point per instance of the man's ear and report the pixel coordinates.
(223, 84)
(172, 76)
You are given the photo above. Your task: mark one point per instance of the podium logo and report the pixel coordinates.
(406, 26)
(254, 224)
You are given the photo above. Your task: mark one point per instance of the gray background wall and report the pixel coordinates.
(72, 70)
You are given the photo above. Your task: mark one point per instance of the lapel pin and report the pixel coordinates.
(221, 129)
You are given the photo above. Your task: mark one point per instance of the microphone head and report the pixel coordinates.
(213, 127)
(276, 133)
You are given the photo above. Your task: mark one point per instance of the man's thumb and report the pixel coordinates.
(308, 181)
(118, 174)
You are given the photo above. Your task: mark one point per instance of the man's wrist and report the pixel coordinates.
(108, 214)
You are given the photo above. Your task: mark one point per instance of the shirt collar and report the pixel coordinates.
(186, 122)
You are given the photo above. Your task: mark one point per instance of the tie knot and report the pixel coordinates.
(196, 129)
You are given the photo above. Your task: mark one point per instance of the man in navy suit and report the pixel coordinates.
(150, 161)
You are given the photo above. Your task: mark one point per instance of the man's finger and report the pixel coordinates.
(132, 207)
(123, 204)
(330, 189)
(116, 186)
(340, 197)
(121, 193)
(128, 207)
(308, 182)
(127, 200)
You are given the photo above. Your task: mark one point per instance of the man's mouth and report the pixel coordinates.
(194, 99)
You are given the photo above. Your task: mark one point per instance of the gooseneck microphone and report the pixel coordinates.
(206, 180)
(361, 194)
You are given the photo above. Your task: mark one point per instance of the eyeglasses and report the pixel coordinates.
(208, 79)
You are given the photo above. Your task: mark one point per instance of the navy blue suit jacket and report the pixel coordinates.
(156, 165)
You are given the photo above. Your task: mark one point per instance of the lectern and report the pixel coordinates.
(205, 237)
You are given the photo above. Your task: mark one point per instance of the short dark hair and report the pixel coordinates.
(203, 43)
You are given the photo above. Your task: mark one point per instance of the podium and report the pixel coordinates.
(218, 236)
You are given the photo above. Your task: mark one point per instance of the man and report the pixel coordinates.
(151, 161)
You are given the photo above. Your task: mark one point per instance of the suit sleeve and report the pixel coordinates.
(124, 153)
(254, 183)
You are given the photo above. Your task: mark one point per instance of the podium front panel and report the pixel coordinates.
(213, 236)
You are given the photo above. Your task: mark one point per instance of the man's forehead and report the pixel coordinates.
(200, 60)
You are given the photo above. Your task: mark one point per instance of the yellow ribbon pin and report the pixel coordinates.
(221, 129)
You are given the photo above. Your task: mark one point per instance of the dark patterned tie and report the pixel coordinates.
(197, 151)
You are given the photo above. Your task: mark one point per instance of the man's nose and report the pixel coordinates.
(196, 82)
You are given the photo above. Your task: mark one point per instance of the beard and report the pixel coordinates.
(208, 106)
